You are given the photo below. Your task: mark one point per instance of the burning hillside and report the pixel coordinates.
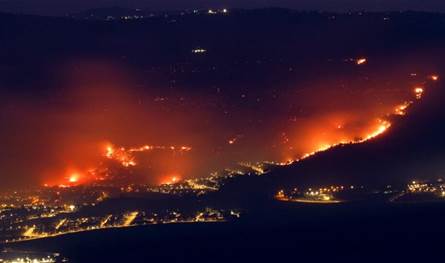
(125, 165)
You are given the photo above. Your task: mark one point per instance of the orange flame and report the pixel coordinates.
(418, 92)
(361, 61)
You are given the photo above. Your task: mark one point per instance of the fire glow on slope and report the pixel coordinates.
(126, 157)
(320, 132)
(381, 127)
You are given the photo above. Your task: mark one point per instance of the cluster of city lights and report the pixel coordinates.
(55, 227)
(320, 196)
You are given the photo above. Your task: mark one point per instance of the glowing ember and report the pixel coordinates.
(434, 77)
(418, 91)
(110, 152)
(361, 61)
(74, 178)
(234, 139)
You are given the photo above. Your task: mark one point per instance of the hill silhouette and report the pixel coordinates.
(412, 149)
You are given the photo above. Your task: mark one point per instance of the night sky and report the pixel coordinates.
(53, 7)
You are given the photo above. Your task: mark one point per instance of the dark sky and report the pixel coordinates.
(61, 7)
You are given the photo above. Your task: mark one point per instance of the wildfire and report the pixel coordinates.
(126, 158)
(121, 155)
(74, 178)
(341, 129)
(109, 152)
(151, 147)
(173, 179)
(401, 109)
(381, 128)
(71, 178)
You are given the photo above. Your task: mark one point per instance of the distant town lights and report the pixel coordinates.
(199, 51)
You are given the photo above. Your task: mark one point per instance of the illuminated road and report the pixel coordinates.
(309, 201)
(396, 197)
(46, 235)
